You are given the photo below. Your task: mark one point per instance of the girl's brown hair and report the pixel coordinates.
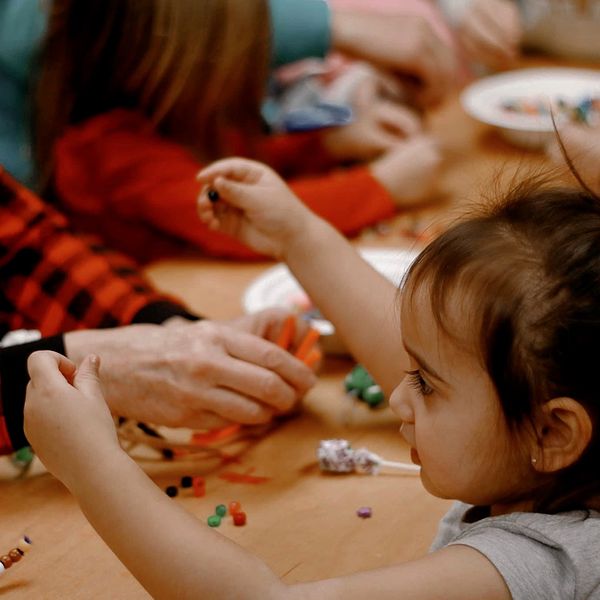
(529, 269)
(193, 68)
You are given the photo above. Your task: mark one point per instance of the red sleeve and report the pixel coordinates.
(114, 166)
(53, 280)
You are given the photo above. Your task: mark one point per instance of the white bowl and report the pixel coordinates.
(484, 99)
(277, 286)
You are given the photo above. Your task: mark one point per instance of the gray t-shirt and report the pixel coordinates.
(540, 557)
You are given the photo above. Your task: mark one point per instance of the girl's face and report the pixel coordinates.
(451, 416)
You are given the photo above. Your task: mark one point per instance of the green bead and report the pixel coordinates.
(214, 521)
(358, 379)
(221, 510)
(24, 455)
(373, 395)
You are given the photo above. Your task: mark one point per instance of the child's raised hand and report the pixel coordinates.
(408, 171)
(582, 145)
(67, 421)
(255, 205)
(491, 31)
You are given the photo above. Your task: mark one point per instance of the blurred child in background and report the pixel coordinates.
(133, 98)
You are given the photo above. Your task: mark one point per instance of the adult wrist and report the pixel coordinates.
(14, 378)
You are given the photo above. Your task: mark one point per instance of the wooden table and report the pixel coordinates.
(301, 522)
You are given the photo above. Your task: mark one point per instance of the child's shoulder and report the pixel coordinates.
(538, 555)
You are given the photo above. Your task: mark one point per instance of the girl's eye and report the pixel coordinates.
(416, 381)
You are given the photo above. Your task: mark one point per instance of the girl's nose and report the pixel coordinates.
(400, 403)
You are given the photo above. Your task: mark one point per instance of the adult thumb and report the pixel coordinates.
(87, 379)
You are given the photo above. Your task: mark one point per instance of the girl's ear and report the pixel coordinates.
(564, 433)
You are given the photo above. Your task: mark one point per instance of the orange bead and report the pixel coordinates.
(15, 555)
(234, 507)
(239, 519)
(6, 561)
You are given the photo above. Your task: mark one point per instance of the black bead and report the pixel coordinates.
(213, 195)
(171, 491)
(168, 453)
(186, 481)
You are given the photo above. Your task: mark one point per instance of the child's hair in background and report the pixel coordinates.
(529, 269)
(194, 69)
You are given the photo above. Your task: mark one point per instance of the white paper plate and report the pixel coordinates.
(277, 285)
(483, 99)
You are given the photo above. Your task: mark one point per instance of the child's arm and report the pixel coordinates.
(259, 209)
(169, 551)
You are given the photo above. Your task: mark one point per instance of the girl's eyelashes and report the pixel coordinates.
(416, 381)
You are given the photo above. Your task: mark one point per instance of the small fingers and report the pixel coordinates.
(46, 366)
(238, 169)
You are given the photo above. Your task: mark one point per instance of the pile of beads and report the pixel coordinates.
(586, 110)
(187, 481)
(16, 554)
(337, 456)
(235, 510)
(360, 384)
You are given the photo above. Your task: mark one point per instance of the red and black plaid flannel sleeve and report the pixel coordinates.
(55, 281)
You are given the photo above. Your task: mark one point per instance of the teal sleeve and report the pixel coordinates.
(22, 25)
(300, 29)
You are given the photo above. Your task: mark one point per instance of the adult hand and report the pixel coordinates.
(256, 206)
(194, 374)
(66, 418)
(491, 31)
(404, 44)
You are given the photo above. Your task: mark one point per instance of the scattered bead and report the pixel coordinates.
(24, 544)
(171, 491)
(361, 385)
(186, 481)
(373, 395)
(214, 521)
(364, 512)
(2, 568)
(221, 510)
(199, 486)
(239, 519)
(6, 561)
(168, 454)
(234, 507)
(15, 555)
(213, 195)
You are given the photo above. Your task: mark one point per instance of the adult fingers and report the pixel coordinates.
(230, 405)
(270, 357)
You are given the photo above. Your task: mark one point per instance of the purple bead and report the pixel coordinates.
(364, 512)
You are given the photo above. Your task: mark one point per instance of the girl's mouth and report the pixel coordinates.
(414, 456)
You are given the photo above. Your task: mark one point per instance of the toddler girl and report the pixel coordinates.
(496, 388)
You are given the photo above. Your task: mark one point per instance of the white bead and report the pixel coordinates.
(2, 568)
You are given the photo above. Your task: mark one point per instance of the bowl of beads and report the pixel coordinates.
(525, 104)
(278, 287)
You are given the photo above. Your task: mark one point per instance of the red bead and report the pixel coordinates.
(6, 561)
(239, 519)
(199, 487)
(234, 507)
